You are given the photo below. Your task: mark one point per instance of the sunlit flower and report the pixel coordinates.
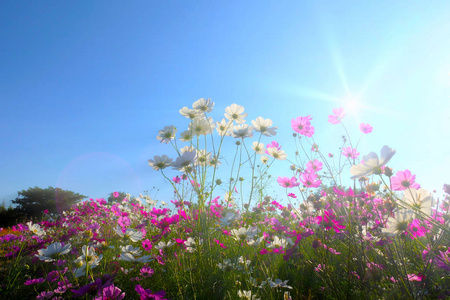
(235, 113)
(419, 199)
(371, 164)
(201, 126)
(314, 166)
(132, 254)
(365, 128)
(350, 152)
(203, 105)
(264, 159)
(263, 126)
(167, 134)
(310, 179)
(223, 127)
(338, 115)
(36, 229)
(246, 295)
(160, 162)
(132, 234)
(403, 180)
(184, 161)
(242, 131)
(186, 136)
(280, 242)
(162, 245)
(203, 158)
(244, 233)
(191, 244)
(399, 223)
(288, 182)
(53, 251)
(276, 153)
(258, 147)
(88, 259)
(189, 113)
(303, 126)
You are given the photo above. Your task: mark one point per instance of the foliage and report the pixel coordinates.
(34, 201)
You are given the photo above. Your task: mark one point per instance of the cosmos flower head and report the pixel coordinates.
(371, 163)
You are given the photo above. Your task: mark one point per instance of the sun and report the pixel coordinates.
(352, 105)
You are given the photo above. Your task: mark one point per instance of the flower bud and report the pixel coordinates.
(388, 171)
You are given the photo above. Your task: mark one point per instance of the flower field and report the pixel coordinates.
(225, 237)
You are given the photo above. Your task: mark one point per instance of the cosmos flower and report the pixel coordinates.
(235, 113)
(337, 116)
(403, 180)
(203, 105)
(288, 182)
(167, 134)
(399, 223)
(365, 128)
(371, 163)
(50, 253)
(263, 126)
(160, 162)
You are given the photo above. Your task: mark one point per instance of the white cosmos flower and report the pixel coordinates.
(132, 234)
(246, 295)
(186, 136)
(203, 105)
(371, 164)
(242, 131)
(258, 147)
(277, 153)
(244, 233)
(235, 113)
(189, 113)
(36, 229)
(201, 126)
(280, 242)
(264, 159)
(160, 162)
(398, 223)
(420, 199)
(88, 259)
(191, 244)
(167, 134)
(48, 254)
(183, 162)
(278, 283)
(162, 245)
(263, 126)
(223, 127)
(203, 158)
(130, 253)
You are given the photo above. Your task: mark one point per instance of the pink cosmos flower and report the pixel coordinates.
(338, 115)
(416, 229)
(349, 152)
(292, 195)
(403, 180)
(116, 194)
(147, 245)
(314, 166)
(303, 126)
(328, 220)
(176, 179)
(288, 182)
(124, 221)
(310, 179)
(110, 292)
(365, 128)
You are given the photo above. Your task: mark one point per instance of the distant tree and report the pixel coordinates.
(34, 201)
(10, 216)
(116, 197)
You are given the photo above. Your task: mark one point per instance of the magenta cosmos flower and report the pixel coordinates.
(337, 116)
(314, 166)
(288, 182)
(365, 128)
(403, 180)
(310, 179)
(350, 152)
(303, 126)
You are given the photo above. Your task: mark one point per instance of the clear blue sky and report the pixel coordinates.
(86, 85)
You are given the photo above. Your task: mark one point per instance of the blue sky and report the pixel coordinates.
(86, 85)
